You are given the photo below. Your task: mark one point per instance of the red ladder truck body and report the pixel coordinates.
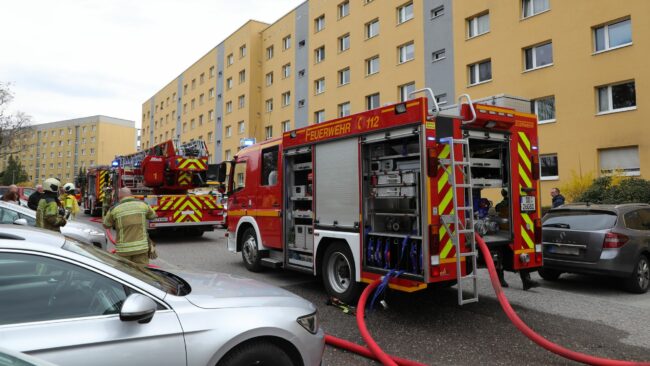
(399, 188)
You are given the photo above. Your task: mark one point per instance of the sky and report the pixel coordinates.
(75, 58)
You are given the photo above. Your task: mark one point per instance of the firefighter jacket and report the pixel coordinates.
(69, 202)
(129, 219)
(48, 215)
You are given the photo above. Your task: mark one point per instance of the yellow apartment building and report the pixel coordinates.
(60, 149)
(579, 62)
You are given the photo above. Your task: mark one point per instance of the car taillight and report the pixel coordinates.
(614, 240)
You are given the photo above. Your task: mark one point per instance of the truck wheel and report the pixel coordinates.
(256, 353)
(339, 273)
(549, 274)
(639, 281)
(250, 252)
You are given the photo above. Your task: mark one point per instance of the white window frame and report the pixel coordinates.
(529, 6)
(319, 86)
(403, 15)
(286, 98)
(241, 101)
(438, 55)
(286, 126)
(269, 105)
(536, 110)
(229, 107)
(633, 172)
(402, 52)
(228, 131)
(369, 63)
(472, 25)
(437, 12)
(268, 132)
(269, 52)
(610, 99)
(319, 116)
(557, 164)
(341, 109)
(404, 91)
(230, 59)
(319, 54)
(241, 127)
(369, 29)
(343, 9)
(286, 71)
(319, 23)
(344, 42)
(475, 69)
(534, 57)
(269, 78)
(286, 43)
(369, 98)
(605, 28)
(341, 76)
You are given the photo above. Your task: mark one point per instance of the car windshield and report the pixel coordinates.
(580, 220)
(159, 279)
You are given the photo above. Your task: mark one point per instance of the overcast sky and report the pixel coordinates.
(75, 58)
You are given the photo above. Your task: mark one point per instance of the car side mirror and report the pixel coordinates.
(138, 308)
(22, 222)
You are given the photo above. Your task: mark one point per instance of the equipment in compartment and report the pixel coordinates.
(399, 252)
(298, 191)
(299, 221)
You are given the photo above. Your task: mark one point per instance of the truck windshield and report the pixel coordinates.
(580, 220)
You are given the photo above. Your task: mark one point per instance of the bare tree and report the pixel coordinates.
(13, 127)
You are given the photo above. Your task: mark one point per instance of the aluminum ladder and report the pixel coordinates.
(463, 228)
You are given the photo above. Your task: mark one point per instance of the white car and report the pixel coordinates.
(13, 214)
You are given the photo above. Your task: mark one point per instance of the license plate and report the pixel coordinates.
(160, 219)
(187, 212)
(528, 203)
(564, 250)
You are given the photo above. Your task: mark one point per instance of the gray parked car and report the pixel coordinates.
(73, 304)
(12, 358)
(611, 240)
(13, 214)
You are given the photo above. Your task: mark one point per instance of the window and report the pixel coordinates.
(211, 93)
(344, 42)
(405, 13)
(286, 126)
(438, 55)
(286, 99)
(242, 101)
(319, 116)
(405, 91)
(240, 176)
(638, 219)
(344, 76)
(228, 155)
(549, 167)
(92, 151)
(441, 98)
(533, 7)
(269, 52)
(286, 43)
(344, 109)
(617, 97)
(201, 79)
(319, 54)
(228, 107)
(210, 138)
(193, 84)
(229, 83)
(193, 103)
(201, 99)
(301, 73)
(372, 101)
(319, 86)
(406, 52)
(184, 127)
(286, 71)
(228, 131)
(200, 122)
(344, 9)
(372, 28)
(269, 105)
(242, 51)
(538, 56)
(211, 72)
(269, 79)
(241, 127)
(242, 76)
(478, 25)
(230, 59)
(372, 65)
(270, 165)
(268, 132)
(438, 12)
(613, 35)
(622, 161)
(544, 108)
(480, 72)
(319, 23)
(211, 115)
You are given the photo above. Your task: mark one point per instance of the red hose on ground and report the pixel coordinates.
(363, 351)
(541, 341)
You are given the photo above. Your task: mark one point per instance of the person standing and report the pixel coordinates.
(69, 200)
(34, 198)
(129, 219)
(558, 199)
(11, 195)
(49, 213)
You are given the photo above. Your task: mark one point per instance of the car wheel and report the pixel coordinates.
(549, 274)
(260, 353)
(339, 273)
(640, 279)
(250, 252)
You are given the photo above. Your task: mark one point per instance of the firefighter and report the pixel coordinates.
(129, 219)
(69, 200)
(106, 201)
(49, 213)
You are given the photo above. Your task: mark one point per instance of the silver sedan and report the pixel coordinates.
(73, 304)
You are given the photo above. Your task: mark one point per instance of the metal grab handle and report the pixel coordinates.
(429, 92)
(471, 107)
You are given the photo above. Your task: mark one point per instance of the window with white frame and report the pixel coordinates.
(319, 116)
(286, 98)
(192, 124)
(478, 25)
(344, 109)
(211, 93)
(229, 83)
(441, 98)
(268, 132)
(344, 42)
(230, 59)
(544, 108)
(405, 91)
(372, 101)
(538, 56)
(201, 99)
(286, 70)
(344, 76)
(438, 11)
(242, 76)
(548, 166)
(286, 126)
(242, 51)
(228, 131)
(613, 35)
(319, 54)
(200, 120)
(438, 55)
(344, 9)
(269, 79)
(269, 52)
(193, 103)
(286, 43)
(319, 23)
(227, 154)
(210, 137)
(372, 28)
(319, 86)
(617, 97)
(406, 52)
(620, 161)
(533, 7)
(480, 72)
(241, 127)
(193, 84)
(269, 105)
(228, 106)
(372, 65)
(242, 101)
(405, 13)
(201, 81)
(211, 72)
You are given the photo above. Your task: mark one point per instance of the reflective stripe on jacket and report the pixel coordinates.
(129, 218)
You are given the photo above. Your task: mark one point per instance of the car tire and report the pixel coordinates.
(250, 252)
(639, 281)
(338, 272)
(262, 353)
(549, 274)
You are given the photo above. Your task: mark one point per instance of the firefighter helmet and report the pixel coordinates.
(69, 188)
(52, 185)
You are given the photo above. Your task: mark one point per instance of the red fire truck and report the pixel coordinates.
(163, 176)
(95, 186)
(400, 188)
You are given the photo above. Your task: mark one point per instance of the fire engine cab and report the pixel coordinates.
(400, 188)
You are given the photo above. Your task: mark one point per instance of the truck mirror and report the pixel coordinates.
(221, 173)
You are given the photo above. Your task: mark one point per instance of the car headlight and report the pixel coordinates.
(309, 322)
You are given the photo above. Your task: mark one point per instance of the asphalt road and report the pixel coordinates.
(585, 314)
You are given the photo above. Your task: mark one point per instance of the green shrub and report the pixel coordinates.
(618, 190)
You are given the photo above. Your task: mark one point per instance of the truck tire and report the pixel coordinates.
(339, 273)
(257, 353)
(639, 281)
(250, 252)
(549, 274)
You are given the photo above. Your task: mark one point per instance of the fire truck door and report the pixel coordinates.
(239, 197)
(269, 200)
